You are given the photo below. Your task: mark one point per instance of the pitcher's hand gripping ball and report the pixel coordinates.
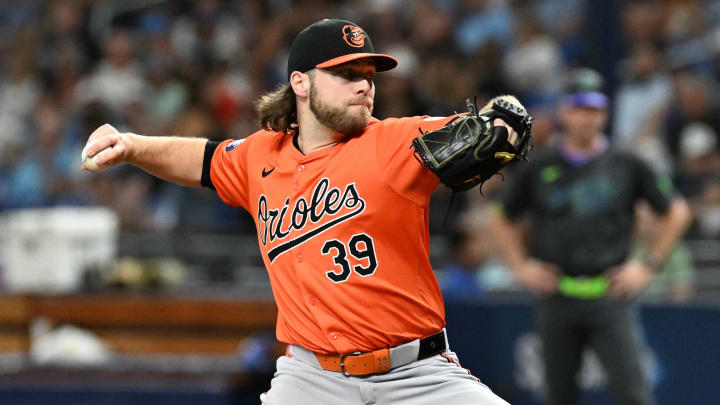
(469, 149)
(106, 135)
(90, 162)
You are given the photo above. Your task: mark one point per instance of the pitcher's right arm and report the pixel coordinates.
(171, 158)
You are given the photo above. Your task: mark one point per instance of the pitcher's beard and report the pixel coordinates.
(339, 119)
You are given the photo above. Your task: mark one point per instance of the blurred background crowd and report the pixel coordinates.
(194, 68)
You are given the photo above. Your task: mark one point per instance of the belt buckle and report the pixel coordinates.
(342, 363)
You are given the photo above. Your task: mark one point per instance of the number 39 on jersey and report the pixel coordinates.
(360, 247)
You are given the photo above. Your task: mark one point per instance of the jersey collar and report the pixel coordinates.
(577, 158)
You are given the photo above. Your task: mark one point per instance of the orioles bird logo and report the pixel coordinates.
(354, 36)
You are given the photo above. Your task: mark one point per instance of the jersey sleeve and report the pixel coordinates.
(228, 171)
(401, 170)
(657, 190)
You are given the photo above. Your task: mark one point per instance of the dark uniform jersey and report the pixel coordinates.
(582, 213)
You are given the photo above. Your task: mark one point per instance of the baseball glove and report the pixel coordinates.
(469, 149)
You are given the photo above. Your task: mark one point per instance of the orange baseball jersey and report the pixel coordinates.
(343, 232)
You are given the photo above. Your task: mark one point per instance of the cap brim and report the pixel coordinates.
(382, 62)
(587, 100)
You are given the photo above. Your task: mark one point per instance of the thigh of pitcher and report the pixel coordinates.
(437, 380)
(296, 382)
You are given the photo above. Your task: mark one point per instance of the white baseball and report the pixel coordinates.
(91, 163)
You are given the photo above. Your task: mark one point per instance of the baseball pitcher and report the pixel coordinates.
(340, 202)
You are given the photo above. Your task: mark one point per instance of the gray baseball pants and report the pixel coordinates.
(437, 380)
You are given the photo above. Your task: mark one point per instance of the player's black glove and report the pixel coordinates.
(469, 149)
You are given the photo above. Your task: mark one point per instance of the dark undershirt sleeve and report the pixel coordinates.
(205, 180)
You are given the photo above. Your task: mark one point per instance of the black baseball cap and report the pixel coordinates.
(331, 42)
(585, 88)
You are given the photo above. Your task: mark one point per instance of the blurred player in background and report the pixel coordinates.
(341, 209)
(580, 198)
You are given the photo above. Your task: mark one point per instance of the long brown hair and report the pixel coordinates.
(277, 110)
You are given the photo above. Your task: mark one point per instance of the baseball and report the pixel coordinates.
(91, 163)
